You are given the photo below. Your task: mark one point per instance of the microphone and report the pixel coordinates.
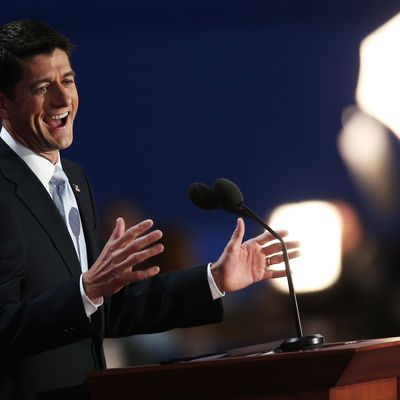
(203, 196)
(227, 196)
(206, 198)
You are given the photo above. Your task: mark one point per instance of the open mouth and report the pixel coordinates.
(56, 121)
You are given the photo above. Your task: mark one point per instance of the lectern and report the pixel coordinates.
(357, 370)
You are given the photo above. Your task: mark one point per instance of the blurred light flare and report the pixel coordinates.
(318, 227)
(378, 88)
(365, 147)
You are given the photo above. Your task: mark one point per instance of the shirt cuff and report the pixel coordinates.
(90, 307)
(215, 292)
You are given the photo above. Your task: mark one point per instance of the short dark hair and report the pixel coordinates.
(23, 39)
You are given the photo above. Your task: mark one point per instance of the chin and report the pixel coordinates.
(63, 141)
(65, 144)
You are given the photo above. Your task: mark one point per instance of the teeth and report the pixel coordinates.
(61, 116)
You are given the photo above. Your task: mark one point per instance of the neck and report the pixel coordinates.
(52, 156)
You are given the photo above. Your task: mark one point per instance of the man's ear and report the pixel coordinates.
(3, 106)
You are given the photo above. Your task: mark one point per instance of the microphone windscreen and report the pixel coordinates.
(202, 196)
(228, 194)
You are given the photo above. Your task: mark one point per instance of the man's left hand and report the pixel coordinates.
(242, 264)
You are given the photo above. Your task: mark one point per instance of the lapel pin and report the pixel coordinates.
(76, 187)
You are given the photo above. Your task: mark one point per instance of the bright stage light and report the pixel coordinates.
(318, 226)
(378, 89)
(364, 144)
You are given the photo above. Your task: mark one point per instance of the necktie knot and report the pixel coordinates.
(59, 178)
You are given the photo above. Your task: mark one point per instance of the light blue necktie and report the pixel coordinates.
(65, 202)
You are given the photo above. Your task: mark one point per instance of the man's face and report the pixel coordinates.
(42, 112)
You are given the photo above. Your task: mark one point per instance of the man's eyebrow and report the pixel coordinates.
(70, 73)
(33, 84)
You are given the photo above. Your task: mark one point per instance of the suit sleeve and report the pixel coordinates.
(173, 300)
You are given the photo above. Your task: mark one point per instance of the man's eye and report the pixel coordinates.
(68, 82)
(41, 89)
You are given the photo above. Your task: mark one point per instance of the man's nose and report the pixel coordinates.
(60, 96)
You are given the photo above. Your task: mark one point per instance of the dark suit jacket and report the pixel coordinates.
(46, 340)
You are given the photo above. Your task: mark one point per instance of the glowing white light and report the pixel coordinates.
(365, 148)
(378, 89)
(318, 226)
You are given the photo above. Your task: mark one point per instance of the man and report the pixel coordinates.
(62, 290)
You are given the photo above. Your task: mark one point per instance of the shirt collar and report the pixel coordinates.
(39, 165)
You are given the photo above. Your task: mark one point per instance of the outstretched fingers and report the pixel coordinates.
(273, 274)
(138, 257)
(131, 234)
(267, 237)
(135, 276)
(137, 245)
(277, 247)
(124, 250)
(279, 258)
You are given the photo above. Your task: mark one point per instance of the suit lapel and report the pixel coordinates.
(31, 192)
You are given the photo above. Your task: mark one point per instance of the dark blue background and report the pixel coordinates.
(173, 92)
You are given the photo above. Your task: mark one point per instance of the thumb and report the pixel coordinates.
(238, 233)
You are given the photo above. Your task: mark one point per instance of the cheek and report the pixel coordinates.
(21, 118)
(29, 110)
(76, 103)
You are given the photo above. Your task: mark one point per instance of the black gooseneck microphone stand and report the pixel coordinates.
(226, 195)
(300, 342)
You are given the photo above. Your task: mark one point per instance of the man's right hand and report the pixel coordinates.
(114, 268)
